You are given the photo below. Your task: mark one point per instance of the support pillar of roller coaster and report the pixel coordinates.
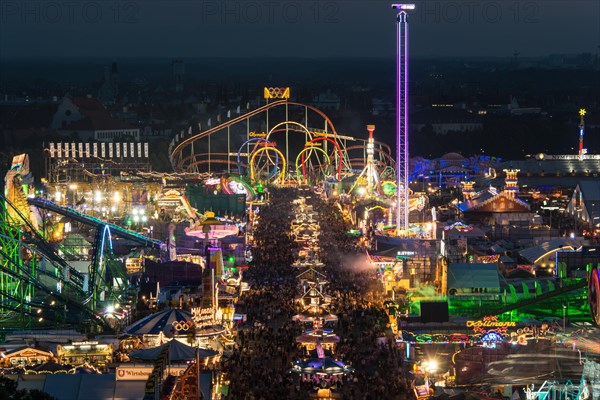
(228, 149)
(287, 147)
(14, 285)
(209, 154)
(195, 166)
(248, 144)
(100, 280)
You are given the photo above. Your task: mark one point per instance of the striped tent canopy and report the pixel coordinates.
(159, 322)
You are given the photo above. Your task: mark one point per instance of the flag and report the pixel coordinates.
(209, 123)
(190, 130)
(238, 109)
(228, 113)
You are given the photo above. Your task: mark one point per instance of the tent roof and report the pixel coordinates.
(532, 254)
(158, 322)
(177, 352)
(478, 275)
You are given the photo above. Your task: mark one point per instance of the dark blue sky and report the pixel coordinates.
(302, 28)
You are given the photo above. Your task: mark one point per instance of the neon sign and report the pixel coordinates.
(276, 92)
(491, 323)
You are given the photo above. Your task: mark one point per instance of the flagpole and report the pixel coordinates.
(198, 371)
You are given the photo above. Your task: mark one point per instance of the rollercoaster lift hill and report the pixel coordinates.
(103, 266)
(37, 285)
(268, 157)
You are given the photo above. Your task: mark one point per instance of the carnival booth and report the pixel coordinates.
(24, 356)
(324, 373)
(308, 317)
(49, 368)
(318, 335)
(89, 352)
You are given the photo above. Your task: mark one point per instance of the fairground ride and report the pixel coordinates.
(37, 285)
(281, 142)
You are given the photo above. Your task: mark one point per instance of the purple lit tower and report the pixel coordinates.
(402, 119)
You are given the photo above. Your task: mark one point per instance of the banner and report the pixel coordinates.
(87, 150)
(146, 150)
(110, 150)
(139, 148)
(80, 148)
(118, 149)
(103, 149)
(51, 150)
(95, 149)
(132, 373)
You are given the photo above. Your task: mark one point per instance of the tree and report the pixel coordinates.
(8, 391)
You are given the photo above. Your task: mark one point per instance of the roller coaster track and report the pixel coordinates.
(32, 237)
(27, 276)
(580, 284)
(33, 277)
(95, 222)
(177, 161)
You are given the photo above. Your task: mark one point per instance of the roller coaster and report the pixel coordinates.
(310, 155)
(37, 285)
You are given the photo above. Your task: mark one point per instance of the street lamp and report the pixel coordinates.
(564, 318)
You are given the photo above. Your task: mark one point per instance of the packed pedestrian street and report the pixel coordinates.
(269, 361)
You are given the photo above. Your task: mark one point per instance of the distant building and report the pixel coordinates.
(327, 101)
(561, 165)
(444, 120)
(178, 73)
(87, 118)
(585, 203)
(109, 89)
(382, 107)
(493, 207)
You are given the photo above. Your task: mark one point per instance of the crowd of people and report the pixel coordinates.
(266, 348)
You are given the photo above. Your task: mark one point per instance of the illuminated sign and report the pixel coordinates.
(277, 93)
(316, 144)
(569, 157)
(86, 343)
(141, 373)
(182, 325)
(257, 134)
(490, 323)
(132, 373)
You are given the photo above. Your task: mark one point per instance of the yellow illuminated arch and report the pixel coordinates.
(281, 176)
(289, 123)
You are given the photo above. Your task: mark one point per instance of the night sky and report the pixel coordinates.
(295, 28)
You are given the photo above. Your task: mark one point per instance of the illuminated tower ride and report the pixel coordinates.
(402, 119)
(369, 172)
(582, 151)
